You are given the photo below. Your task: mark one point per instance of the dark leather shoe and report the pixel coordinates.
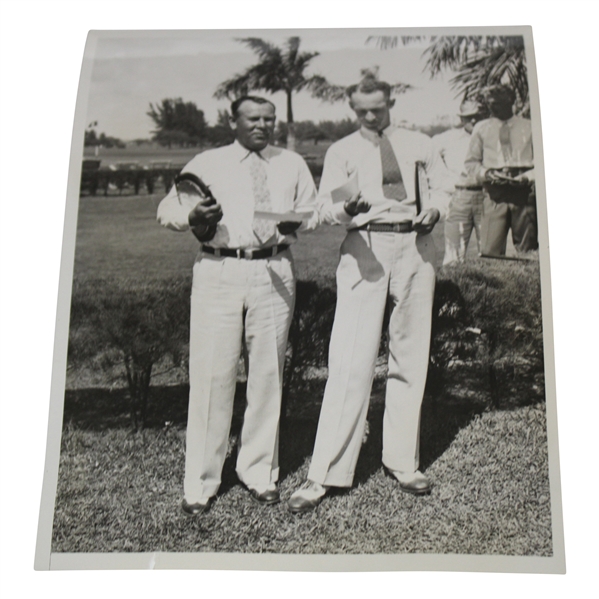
(269, 497)
(415, 483)
(306, 498)
(195, 509)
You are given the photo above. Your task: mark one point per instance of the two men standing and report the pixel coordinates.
(243, 288)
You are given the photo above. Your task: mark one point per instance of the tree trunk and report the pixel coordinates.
(290, 124)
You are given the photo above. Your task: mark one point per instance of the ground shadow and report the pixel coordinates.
(443, 416)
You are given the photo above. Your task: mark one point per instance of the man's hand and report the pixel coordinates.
(287, 227)
(207, 212)
(493, 174)
(355, 205)
(425, 222)
(526, 176)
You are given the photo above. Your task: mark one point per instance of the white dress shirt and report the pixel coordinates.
(485, 152)
(452, 146)
(358, 155)
(226, 171)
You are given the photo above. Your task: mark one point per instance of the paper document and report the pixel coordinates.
(295, 217)
(346, 191)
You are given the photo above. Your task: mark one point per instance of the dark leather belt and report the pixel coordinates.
(245, 254)
(470, 187)
(403, 227)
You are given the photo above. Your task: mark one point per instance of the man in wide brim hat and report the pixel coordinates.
(465, 209)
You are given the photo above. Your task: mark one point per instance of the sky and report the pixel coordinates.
(133, 69)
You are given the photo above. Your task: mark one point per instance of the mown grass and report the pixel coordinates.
(121, 491)
(119, 237)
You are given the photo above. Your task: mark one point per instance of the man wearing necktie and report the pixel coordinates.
(243, 292)
(500, 157)
(388, 255)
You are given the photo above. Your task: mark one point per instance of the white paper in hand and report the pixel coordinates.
(346, 191)
(279, 217)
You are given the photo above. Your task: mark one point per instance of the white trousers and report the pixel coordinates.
(233, 300)
(464, 216)
(373, 268)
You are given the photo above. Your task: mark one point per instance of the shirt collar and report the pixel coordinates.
(242, 152)
(509, 121)
(374, 136)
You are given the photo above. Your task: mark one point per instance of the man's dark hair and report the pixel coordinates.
(239, 101)
(369, 85)
(499, 90)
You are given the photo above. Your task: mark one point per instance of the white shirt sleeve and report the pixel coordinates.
(473, 164)
(305, 197)
(334, 175)
(437, 176)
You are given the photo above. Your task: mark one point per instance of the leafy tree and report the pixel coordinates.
(278, 69)
(221, 134)
(91, 138)
(309, 131)
(478, 61)
(335, 130)
(177, 122)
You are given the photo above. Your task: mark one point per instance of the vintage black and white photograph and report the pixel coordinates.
(307, 320)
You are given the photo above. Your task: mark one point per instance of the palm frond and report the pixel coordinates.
(383, 42)
(400, 88)
(323, 90)
(264, 49)
(259, 76)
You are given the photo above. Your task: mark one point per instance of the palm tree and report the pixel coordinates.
(478, 61)
(278, 69)
(336, 93)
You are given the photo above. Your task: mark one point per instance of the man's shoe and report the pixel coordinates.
(412, 482)
(307, 497)
(268, 497)
(195, 509)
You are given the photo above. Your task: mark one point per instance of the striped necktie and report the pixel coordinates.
(264, 229)
(393, 186)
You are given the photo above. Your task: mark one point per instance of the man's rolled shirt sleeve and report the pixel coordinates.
(437, 175)
(305, 196)
(334, 175)
(474, 157)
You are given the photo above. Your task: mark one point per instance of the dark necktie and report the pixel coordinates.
(393, 186)
(506, 143)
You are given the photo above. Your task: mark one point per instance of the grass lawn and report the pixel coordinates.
(121, 491)
(119, 236)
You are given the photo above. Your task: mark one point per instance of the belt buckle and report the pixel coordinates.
(217, 252)
(248, 254)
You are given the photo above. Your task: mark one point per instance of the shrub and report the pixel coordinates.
(133, 324)
(487, 332)
(488, 315)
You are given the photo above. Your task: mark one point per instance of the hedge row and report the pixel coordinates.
(141, 180)
(487, 333)
(101, 181)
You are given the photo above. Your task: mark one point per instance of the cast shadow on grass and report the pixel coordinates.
(104, 409)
